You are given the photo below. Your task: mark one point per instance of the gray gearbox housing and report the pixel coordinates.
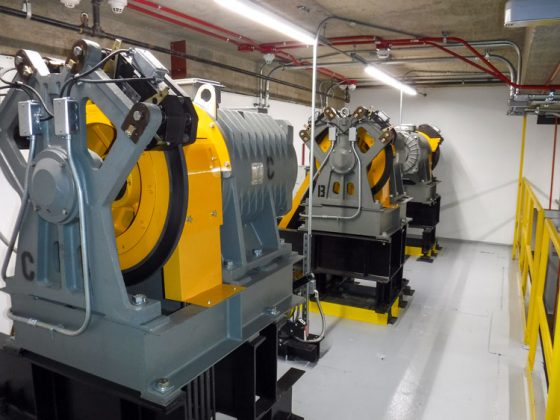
(67, 269)
(343, 199)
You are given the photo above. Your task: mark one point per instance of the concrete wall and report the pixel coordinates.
(19, 33)
(480, 156)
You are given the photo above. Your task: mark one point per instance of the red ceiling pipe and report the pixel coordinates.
(252, 47)
(435, 42)
(321, 70)
(180, 23)
(492, 70)
(275, 48)
(248, 44)
(385, 43)
(193, 19)
(341, 40)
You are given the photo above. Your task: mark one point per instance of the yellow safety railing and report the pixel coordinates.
(534, 238)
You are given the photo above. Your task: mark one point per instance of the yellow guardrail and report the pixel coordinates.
(536, 239)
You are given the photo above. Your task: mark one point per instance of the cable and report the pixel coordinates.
(21, 212)
(124, 79)
(310, 214)
(25, 87)
(321, 335)
(40, 98)
(84, 251)
(73, 80)
(6, 241)
(107, 81)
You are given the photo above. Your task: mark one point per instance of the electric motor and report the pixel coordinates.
(263, 160)
(419, 151)
(148, 221)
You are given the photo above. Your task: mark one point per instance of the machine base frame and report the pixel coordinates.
(425, 217)
(336, 262)
(244, 385)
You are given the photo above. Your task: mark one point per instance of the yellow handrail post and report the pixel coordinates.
(519, 186)
(524, 275)
(537, 289)
(538, 239)
(553, 406)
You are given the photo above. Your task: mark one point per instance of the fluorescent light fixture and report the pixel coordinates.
(389, 80)
(262, 16)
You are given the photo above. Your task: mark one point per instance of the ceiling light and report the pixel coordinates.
(389, 80)
(70, 3)
(117, 6)
(262, 16)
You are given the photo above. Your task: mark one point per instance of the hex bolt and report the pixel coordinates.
(27, 71)
(78, 51)
(229, 264)
(257, 252)
(64, 212)
(273, 311)
(139, 299)
(213, 213)
(137, 115)
(162, 385)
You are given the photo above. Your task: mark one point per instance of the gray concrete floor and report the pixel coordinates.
(456, 352)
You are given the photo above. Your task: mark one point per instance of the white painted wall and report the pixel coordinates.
(10, 206)
(478, 169)
(480, 155)
(8, 212)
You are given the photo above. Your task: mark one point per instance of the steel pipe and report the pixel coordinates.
(79, 29)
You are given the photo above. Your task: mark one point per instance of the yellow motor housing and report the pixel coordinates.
(193, 273)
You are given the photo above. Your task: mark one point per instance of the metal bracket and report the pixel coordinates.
(66, 116)
(29, 118)
(306, 256)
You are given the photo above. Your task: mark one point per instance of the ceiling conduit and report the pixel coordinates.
(242, 42)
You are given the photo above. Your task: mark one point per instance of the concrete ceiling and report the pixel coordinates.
(473, 20)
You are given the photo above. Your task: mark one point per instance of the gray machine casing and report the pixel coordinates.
(341, 165)
(414, 157)
(137, 345)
